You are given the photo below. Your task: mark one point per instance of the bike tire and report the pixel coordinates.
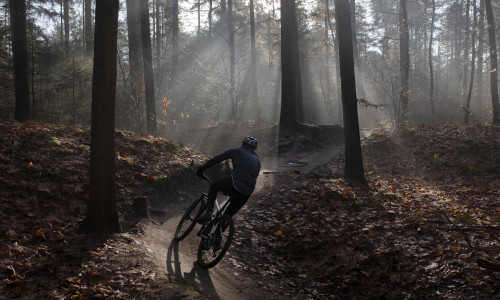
(188, 220)
(208, 254)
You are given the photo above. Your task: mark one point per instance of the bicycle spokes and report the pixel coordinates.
(214, 245)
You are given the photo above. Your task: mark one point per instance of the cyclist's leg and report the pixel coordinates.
(225, 184)
(237, 202)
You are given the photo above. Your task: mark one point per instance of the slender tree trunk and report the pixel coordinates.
(232, 91)
(255, 89)
(158, 32)
(288, 114)
(210, 4)
(353, 157)
(328, 87)
(466, 46)
(198, 31)
(61, 25)
(404, 57)
(472, 67)
(20, 55)
(135, 62)
(88, 27)
(480, 51)
(102, 212)
(148, 67)
(431, 69)
(66, 27)
(493, 62)
(175, 38)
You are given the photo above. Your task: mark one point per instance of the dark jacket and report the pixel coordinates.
(246, 168)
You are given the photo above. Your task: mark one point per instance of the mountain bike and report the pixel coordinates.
(215, 235)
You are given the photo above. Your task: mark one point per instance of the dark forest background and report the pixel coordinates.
(217, 61)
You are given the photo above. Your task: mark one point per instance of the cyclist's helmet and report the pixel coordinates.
(250, 142)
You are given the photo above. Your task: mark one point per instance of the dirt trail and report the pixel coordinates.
(226, 280)
(178, 259)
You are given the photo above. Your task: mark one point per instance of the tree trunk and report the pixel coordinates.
(404, 61)
(88, 27)
(66, 27)
(198, 31)
(175, 38)
(20, 56)
(493, 62)
(466, 45)
(210, 22)
(431, 69)
(148, 67)
(288, 114)
(327, 89)
(135, 61)
(232, 67)
(472, 68)
(353, 157)
(102, 212)
(480, 50)
(255, 89)
(357, 64)
(295, 39)
(338, 84)
(158, 32)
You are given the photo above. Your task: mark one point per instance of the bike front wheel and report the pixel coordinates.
(214, 244)
(188, 220)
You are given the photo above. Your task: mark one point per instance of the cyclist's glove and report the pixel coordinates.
(199, 172)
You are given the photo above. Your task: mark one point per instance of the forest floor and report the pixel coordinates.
(426, 226)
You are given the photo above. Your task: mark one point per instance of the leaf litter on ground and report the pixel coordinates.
(425, 227)
(421, 229)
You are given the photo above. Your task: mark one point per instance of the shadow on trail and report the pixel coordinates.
(197, 276)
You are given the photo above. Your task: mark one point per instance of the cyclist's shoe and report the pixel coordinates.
(204, 217)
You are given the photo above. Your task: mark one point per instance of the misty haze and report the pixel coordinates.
(249, 149)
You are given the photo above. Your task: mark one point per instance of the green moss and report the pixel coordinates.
(464, 219)
(389, 196)
(175, 147)
(185, 292)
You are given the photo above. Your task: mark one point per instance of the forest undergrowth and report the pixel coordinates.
(426, 226)
(43, 190)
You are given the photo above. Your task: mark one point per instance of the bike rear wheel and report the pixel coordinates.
(188, 220)
(214, 245)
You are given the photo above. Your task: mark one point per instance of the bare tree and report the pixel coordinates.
(88, 26)
(20, 54)
(135, 60)
(66, 27)
(353, 157)
(148, 67)
(175, 37)
(472, 67)
(102, 212)
(255, 89)
(289, 56)
(404, 61)
(431, 67)
(493, 62)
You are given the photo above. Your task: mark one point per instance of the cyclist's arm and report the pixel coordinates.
(215, 160)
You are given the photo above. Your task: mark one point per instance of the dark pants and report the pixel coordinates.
(225, 185)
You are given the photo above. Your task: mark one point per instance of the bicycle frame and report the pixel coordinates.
(215, 236)
(218, 211)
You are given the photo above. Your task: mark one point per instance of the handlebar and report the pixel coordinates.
(204, 177)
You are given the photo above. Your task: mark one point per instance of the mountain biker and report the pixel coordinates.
(240, 184)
